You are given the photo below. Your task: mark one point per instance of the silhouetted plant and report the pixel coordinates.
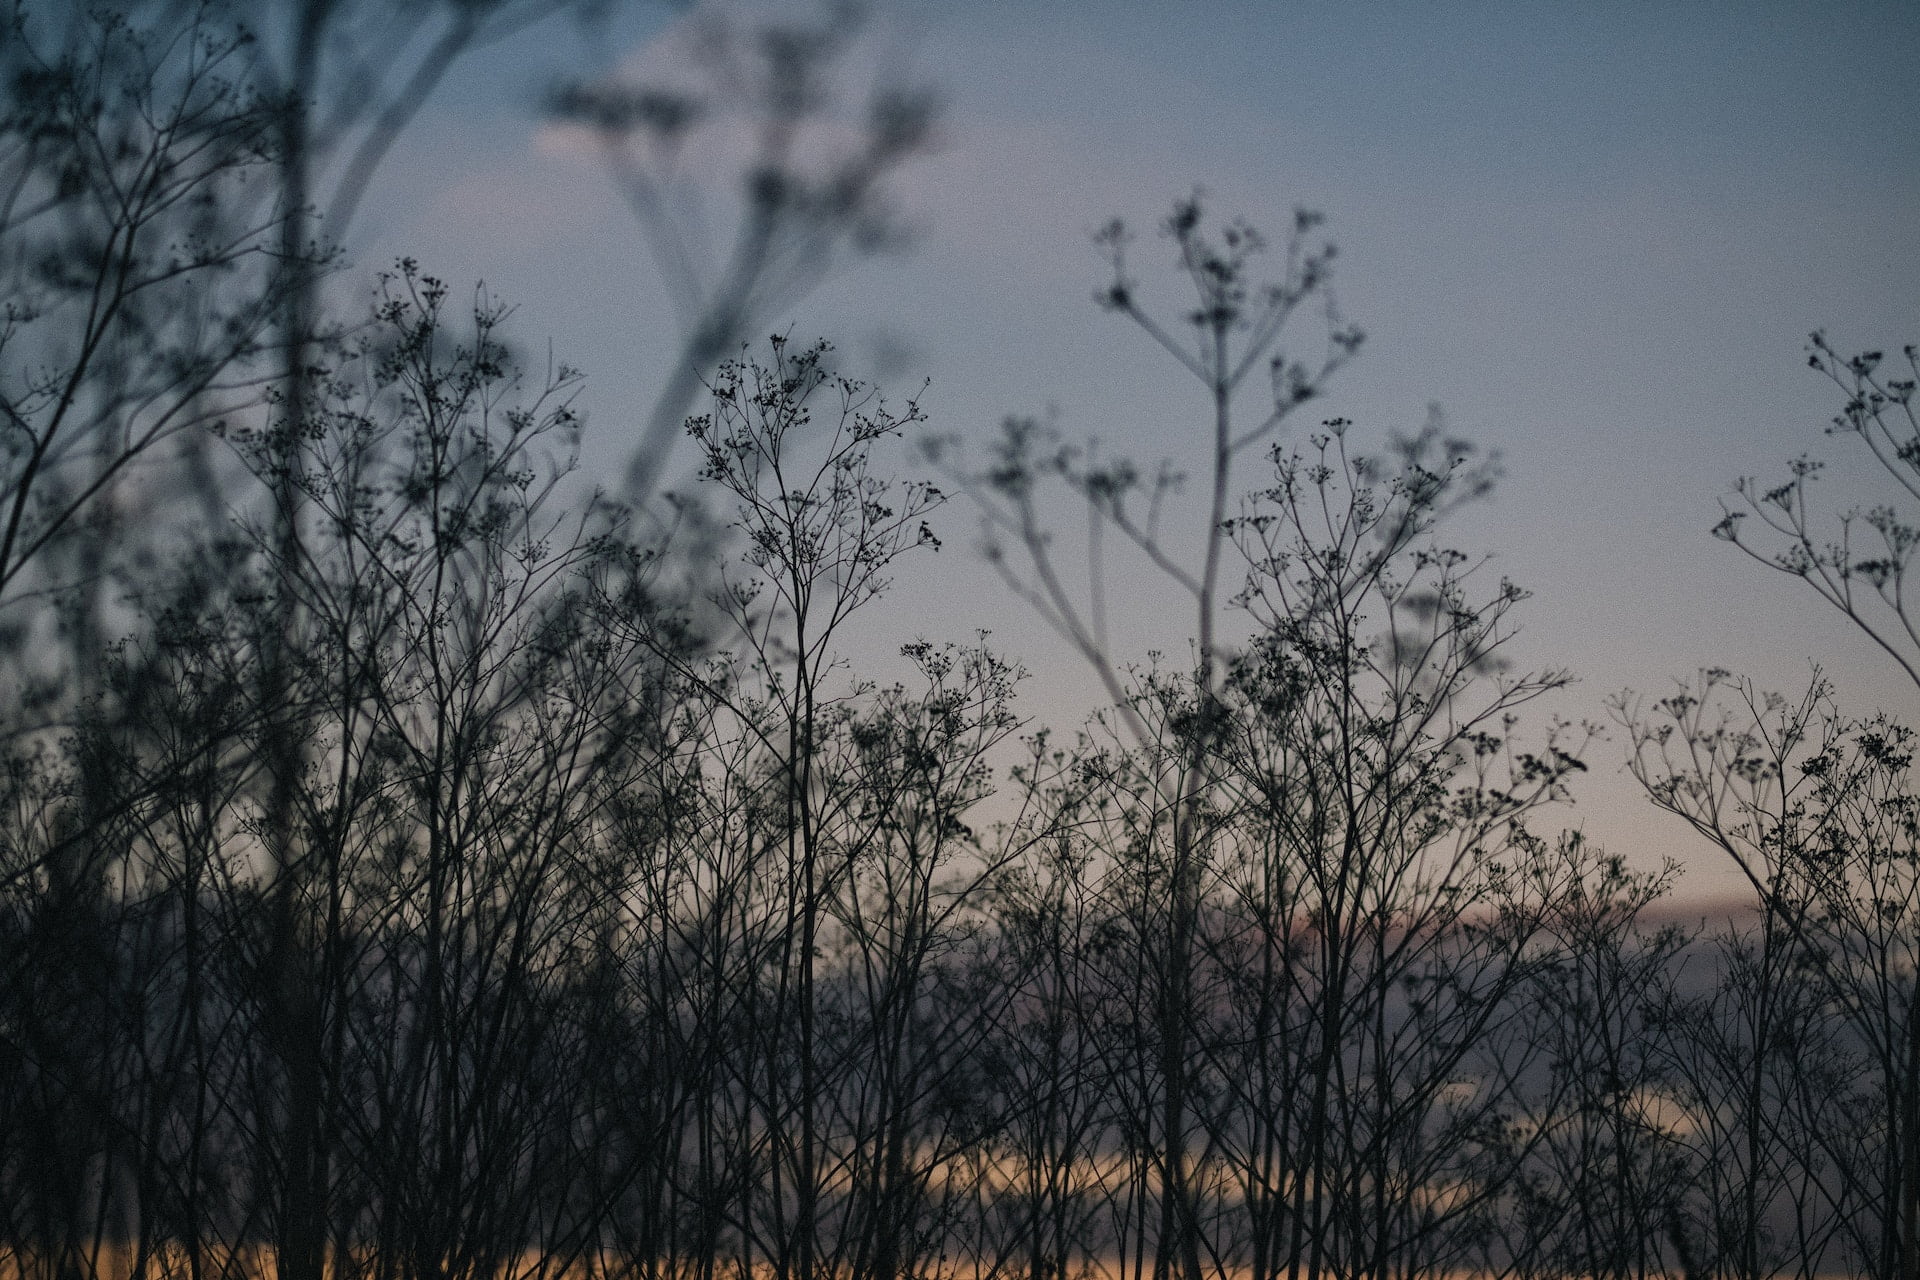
(809, 196)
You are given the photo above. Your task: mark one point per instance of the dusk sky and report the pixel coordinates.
(1596, 235)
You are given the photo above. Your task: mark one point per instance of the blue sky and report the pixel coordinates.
(1595, 234)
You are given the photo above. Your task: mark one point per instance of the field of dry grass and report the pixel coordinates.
(120, 1262)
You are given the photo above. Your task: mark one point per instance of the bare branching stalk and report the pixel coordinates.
(808, 198)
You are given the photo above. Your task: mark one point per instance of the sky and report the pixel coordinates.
(1596, 235)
